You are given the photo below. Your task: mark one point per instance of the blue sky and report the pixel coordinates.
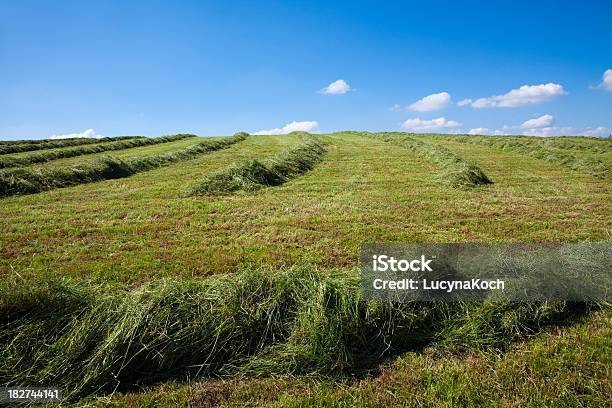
(216, 67)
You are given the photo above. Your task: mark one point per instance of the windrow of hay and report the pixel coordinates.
(586, 165)
(452, 169)
(588, 144)
(255, 174)
(49, 155)
(92, 338)
(18, 146)
(28, 181)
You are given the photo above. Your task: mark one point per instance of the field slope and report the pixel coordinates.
(239, 268)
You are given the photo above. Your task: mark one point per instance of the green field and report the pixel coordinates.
(108, 264)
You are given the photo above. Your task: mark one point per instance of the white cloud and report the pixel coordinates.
(85, 134)
(600, 131)
(431, 102)
(525, 95)
(464, 102)
(607, 80)
(551, 131)
(486, 131)
(544, 131)
(419, 125)
(479, 131)
(305, 126)
(338, 87)
(542, 121)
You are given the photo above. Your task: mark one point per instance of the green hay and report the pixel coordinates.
(18, 146)
(255, 174)
(593, 145)
(49, 155)
(590, 166)
(28, 181)
(92, 339)
(452, 169)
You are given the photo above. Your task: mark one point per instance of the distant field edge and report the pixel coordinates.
(50, 155)
(30, 181)
(18, 146)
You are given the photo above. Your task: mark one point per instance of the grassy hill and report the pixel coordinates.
(151, 277)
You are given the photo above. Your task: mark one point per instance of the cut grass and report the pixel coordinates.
(92, 339)
(54, 154)
(307, 325)
(594, 145)
(366, 190)
(453, 170)
(30, 181)
(18, 146)
(587, 165)
(560, 367)
(254, 174)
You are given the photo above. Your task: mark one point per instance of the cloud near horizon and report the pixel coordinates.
(525, 95)
(89, 133)
(338, 87)
(542, 128)
(304, 126)
(486, 131)
(417, 124)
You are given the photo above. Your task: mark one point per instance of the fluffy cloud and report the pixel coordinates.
(607, 80)
(541, 127)
(464, 102)
(597, 131)
(525, 95)
(431, 102)
(550, 131)
(85, 134)
(338, 87)
(487, 131)
(600, 131)
(542, 121)
(305, 126)
(420, 125)
(481, 131)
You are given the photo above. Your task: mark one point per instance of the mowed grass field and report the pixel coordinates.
(129, 232)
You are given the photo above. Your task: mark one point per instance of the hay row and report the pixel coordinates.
(453, 170)
(49, 155)
(18, 146)
(593, 145)
(586, 165)
(91, 338)
(252, 175)
(29, 181)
